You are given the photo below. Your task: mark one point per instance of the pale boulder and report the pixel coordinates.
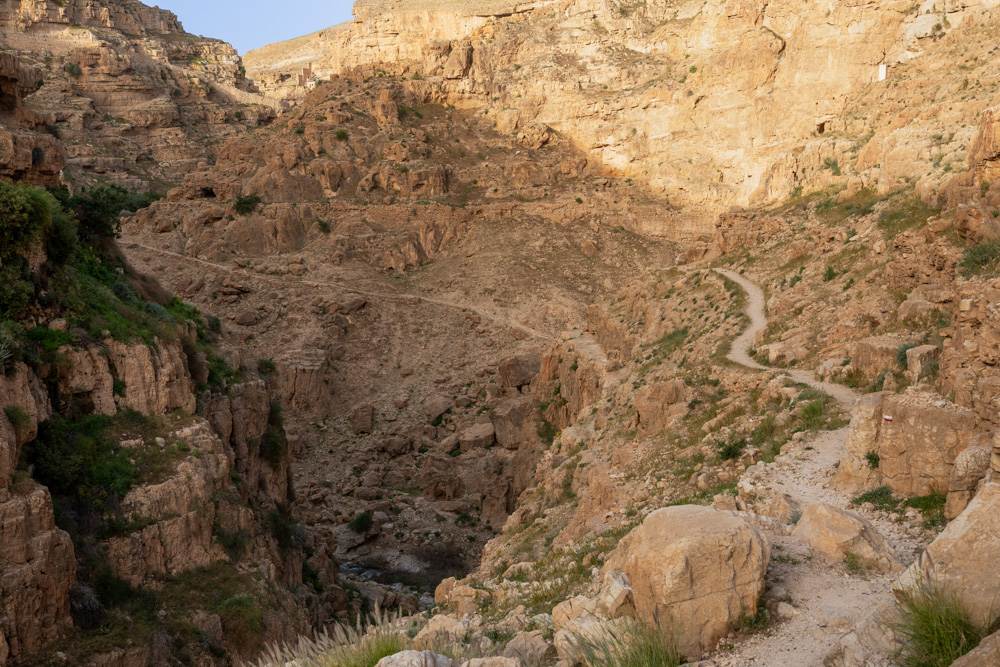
(441, 630)
(435, 406)
(971, 468)
(510, 421)
(836, 533)
(987, 654)
(963, 558)
(519, 370)
(531, 648)
(615, 598)
(694, 571)
(917, 438)
(570, 640)
(577, 607)
(362, 418)
(477, 436)
(415, 659)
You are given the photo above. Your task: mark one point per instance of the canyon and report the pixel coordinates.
(522, 328)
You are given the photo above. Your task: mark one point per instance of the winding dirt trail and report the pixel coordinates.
(825, 598)
(740, 351)
(485, 314)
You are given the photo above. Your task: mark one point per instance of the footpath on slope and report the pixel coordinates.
(826, 598)
(348, 289)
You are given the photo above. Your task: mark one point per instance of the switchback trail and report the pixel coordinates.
(740, 350)
(825, 597)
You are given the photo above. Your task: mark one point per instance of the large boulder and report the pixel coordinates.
(915, 437)
(658, 404)
(694, 571)
(837, 533)
(532, 648)
(987, 654)
(511, 420)
(520, 369)
(477, 436)
(963, 558)
(362, 418)
(969, 473)
(875, 354)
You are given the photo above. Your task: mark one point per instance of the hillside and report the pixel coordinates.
(566, 333)
(136, 100)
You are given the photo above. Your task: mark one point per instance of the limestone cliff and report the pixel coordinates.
(135, 98)
(28, 153)
(712, 105)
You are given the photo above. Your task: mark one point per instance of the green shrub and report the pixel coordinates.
(934, 627)
(10, 345)
(881, 498)
(25, 212)
(832, 165)
(17, 292)
(274, 444)
(235, 542)
(98, 210)
(732, 449)
(324, 226)
(873, 460)
(73, 69)
(361, 523)
(282, 529)
(18, 416)
(829, 274)
(300, 129)
(814, 415)
(980, 259)
(341, 135)
(242, 622)
(266, 367)
(246, 204)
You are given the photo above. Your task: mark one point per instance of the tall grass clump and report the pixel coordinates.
(630, 644)
(935, 628)
(344, 646)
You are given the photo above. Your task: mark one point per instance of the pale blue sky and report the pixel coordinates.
(248, 24)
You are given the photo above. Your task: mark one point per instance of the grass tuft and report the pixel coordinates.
(935, 628)
(630, 644)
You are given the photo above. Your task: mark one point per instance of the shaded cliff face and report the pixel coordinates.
(27, 152)
(137, 101)
(713, 105)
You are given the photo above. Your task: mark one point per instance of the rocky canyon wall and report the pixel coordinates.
(711, 105)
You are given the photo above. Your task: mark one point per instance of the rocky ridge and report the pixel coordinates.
(136, 100)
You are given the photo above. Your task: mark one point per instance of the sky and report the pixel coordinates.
(249, 24)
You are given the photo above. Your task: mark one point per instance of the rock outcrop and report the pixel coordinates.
(962, 560)
(27, 152)
(125, 86)
(694, 571)
(769, 70)
(907, 442)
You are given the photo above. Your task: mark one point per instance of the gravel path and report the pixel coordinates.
(825, 598)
